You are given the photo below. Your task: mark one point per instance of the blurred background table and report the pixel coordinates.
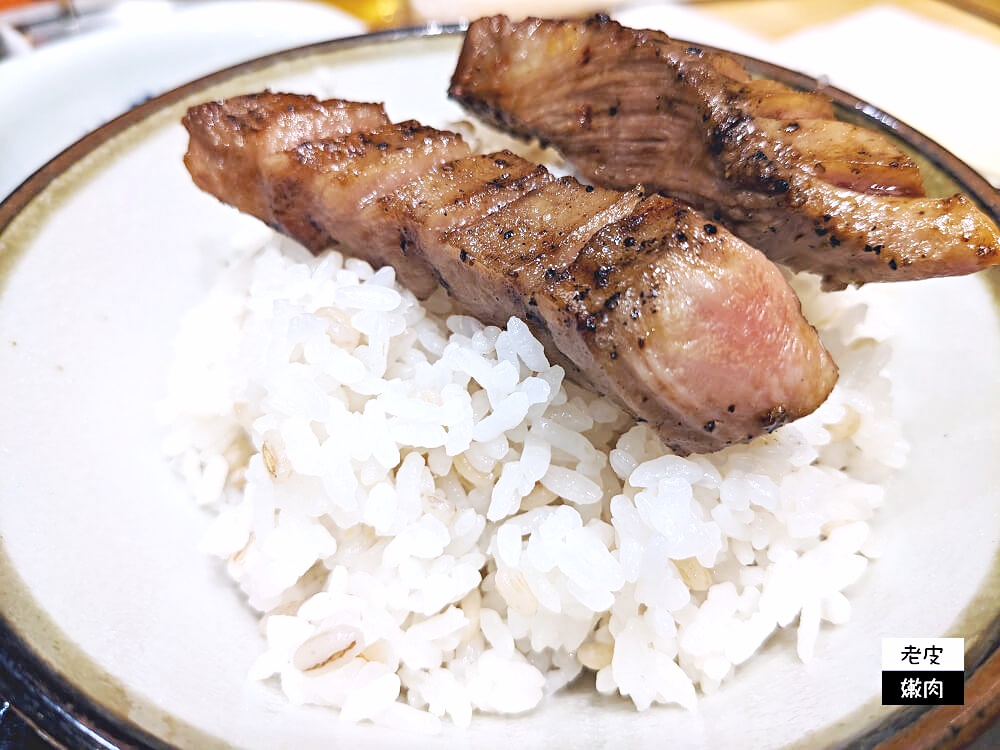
(777, 18)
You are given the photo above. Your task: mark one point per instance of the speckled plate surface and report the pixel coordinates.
(116, 629)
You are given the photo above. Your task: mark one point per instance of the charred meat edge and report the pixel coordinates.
(642, 299)
(628, 106)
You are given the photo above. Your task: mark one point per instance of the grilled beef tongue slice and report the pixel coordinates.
(642, 299)
(772, 163)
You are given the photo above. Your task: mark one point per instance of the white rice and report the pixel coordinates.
(431, 521)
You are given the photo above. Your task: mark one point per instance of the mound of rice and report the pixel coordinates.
(431, 520)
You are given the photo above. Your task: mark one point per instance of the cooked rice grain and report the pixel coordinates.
(431, 521)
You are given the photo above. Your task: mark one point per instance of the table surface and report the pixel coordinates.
(777, 18)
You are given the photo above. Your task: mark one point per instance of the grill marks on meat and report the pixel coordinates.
(642, 299)
(332, 188)
(631, 107)
(236, 139)
(262, 153)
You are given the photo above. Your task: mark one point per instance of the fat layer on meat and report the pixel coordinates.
(629, 107)
(642, 299)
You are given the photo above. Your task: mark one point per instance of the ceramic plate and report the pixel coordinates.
(116, 626)
(94, 77)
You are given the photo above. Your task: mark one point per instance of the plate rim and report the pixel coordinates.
(40, 694)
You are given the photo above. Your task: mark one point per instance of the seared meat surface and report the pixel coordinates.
(643, 299)
(238, 136)
(630, 107)
(256, 152)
